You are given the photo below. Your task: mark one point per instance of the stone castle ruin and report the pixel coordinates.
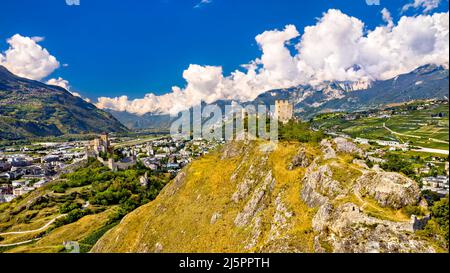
(101, 146)
(284, 111)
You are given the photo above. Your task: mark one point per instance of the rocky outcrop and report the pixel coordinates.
(233, 149)
(176, 184)
(389, 189)
(322, 217)
(327, 149)
(216, 216)
(319, 186)
(255, 203)
(343, 145)
(280, 221)
(301, 159)
(250, 178)
(158, 248)
(255, 233)
(250, 202)
(346, 229)
(361, 163)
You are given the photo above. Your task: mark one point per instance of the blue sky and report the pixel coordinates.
(116, 47)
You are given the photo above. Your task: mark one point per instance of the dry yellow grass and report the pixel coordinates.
(181, 222)
(53, 242)
(179, 219)
(289, 182)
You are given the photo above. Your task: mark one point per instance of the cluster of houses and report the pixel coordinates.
(163, 154)
(25, 169)
(395, 110)
(438, 184)
(169, 155)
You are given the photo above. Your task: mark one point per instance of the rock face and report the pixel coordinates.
(302, 159)
(348, 230)
(232, 150)
(327, 149)
(255, 203)
(177, 182)
(345, 146)
(389, 189)
(319, 186)
(345, 227)
(252, 202)
(216, 216)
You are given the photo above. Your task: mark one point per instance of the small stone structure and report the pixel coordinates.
(284, 111)
(102, 145)
(419, 223)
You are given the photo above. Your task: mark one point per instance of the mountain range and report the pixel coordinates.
(31, 108)
(425, 82)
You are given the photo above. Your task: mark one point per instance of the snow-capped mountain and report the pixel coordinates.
(425, 82)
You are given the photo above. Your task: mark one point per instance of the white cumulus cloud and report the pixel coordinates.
(387, 17)
(337, 47)
(65, 84)
(26, 58)
(59, 82)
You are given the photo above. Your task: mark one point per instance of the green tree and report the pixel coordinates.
(395, 163)
(439, 212)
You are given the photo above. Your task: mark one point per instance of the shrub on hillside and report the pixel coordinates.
(299, 131)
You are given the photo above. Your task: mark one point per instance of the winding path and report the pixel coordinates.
(20, 243)
(413, 136)
(34, 230)
(396, 133)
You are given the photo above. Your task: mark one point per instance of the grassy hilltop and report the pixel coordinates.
(291, 197)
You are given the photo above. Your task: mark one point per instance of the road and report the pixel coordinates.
(20, 243)
(135, 142)
(413, 136)
(433, 151)
(29, 231)
(396, 133)
(34, 230)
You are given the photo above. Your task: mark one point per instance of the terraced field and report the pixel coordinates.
(421, 127)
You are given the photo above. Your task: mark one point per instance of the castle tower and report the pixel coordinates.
(284, 111)
(105, 140)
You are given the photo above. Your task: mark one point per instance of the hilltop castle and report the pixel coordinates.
(284, 111)
(101, 146)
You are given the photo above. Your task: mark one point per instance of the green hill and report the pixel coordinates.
(33, 109)
(80, 206)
